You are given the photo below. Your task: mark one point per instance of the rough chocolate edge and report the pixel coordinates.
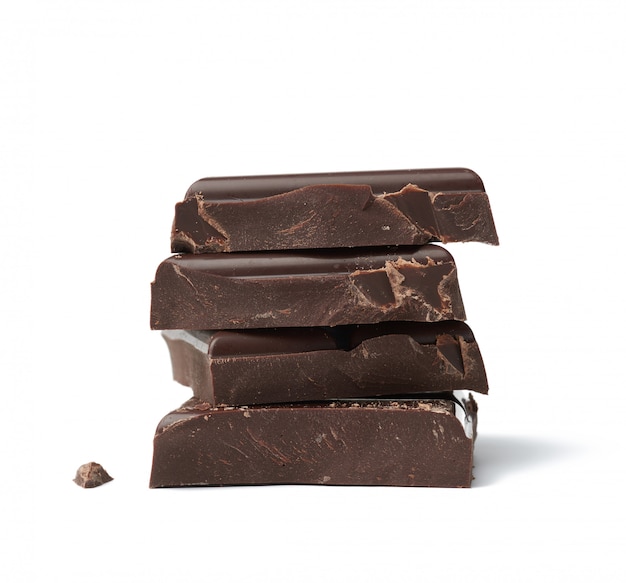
(187, 295)
(91, 475)
(331, 216)
(388, 364)
(395, 443)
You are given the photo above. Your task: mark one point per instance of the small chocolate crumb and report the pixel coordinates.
(91, 475)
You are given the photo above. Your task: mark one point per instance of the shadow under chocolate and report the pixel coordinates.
(497, 456)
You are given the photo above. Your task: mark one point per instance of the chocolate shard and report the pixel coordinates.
(307, 288)
(91, 475)
(278, 365)
(403, 442)
(349, 209)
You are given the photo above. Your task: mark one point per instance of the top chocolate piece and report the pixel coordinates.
(347, 209)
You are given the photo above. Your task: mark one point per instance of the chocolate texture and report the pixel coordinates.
(311, 211)
(300, 289)
(413, 442)
(246, 367)
(91, 475)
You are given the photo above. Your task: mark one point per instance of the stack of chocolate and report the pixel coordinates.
(321, 331)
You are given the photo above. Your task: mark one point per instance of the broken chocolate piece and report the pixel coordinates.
(414, 442)
(278, 365)
(311, 211)
(91, 475)
(299, 289)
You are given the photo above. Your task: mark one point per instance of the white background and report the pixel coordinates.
(110, 110)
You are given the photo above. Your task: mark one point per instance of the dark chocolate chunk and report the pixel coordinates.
(416, 442)
(311, 211)
(246, 367)
(91, 475)
(299, 289)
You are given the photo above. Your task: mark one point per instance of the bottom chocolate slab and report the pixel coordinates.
(384, 442)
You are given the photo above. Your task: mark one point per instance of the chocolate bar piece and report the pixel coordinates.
(415, 442)
(278, 365)
(91, 475)
(299, 289)
(311, 211)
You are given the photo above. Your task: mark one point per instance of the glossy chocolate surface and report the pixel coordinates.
(381, 181)
(332, 210)
(408, 442)
(300, 289)
(245, 367)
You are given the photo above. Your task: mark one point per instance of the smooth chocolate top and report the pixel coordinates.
(292, 264)
(235, 343)
(433, 180)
